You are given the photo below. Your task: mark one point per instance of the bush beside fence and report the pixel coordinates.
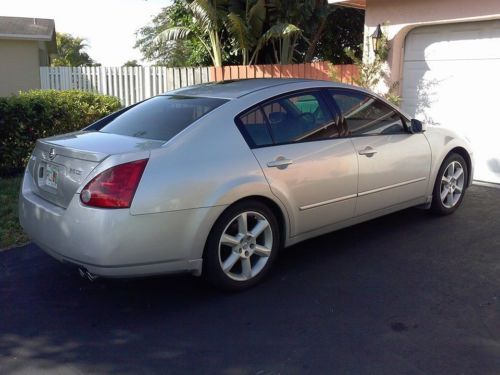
(42, 113)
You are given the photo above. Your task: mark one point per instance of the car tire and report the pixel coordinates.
(450, 185)
(241, 246)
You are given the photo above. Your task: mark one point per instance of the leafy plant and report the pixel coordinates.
(208, 23)
(246, 26)
(215, 32)
(131, 63)
(372, 72)
(170, 53)
(42, 113)
(343, 29)
(71, 51)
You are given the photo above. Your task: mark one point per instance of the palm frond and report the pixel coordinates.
(256, 18)
(205, 13)
(280, 31)
(173, 34)
(240, 31)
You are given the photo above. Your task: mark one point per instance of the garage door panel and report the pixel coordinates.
(451, 78)
(451, 42)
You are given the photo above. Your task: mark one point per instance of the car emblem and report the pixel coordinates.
(52, 153)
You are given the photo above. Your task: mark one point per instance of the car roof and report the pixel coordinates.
(237, 88)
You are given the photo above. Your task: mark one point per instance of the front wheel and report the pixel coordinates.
(450, 185)
(241, 246)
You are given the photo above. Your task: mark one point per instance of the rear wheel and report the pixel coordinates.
(450, 185)
(241, 246)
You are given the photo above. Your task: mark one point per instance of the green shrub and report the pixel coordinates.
(42, 113)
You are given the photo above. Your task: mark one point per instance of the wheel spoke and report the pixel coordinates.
(451, 170)
(229, 240)
(243, 223)
(246, 267)
(230, 262)
(458, 173)
(458, 189)
(259, 228)
(262, 251)
(444, 193)
(445, 179)
(449, 198)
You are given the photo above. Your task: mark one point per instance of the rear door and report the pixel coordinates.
(296, 141)
(394, 165)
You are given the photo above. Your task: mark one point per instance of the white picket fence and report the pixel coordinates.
(129, 84)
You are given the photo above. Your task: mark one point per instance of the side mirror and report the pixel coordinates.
(416, 126)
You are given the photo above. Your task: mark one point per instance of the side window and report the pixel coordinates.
(255, 127)
(365, 115)
(302, 117)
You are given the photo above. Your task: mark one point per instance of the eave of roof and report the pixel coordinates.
(30, 29)
(358, 4)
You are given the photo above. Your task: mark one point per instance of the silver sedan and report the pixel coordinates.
(215, 179)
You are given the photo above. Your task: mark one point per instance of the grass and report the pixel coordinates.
(11, 233)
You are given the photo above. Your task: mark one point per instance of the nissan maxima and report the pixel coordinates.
(215, 179)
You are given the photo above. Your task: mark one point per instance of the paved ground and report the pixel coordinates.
(405, 294)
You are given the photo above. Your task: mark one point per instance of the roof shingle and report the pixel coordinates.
(27, 28)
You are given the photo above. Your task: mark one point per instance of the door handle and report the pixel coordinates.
(280, 163)
(368, 151)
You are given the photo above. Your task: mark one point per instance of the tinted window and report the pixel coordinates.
(365, 115)
(161, 117)
(301, 117)
(256, 128)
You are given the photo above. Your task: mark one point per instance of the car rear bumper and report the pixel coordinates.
(114, 243)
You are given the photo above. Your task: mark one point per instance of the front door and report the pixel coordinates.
(305, 162)
(394, 165)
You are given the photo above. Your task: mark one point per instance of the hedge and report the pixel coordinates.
(42, 113)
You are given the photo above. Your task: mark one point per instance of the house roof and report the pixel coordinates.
(24, 28)
(360, 4)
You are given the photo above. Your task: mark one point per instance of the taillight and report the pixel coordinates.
(115, 187)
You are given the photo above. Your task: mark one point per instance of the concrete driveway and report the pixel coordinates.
(405, 294)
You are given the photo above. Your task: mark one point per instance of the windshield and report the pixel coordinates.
(161, 117)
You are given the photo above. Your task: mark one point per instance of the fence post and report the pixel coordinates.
(104, 84)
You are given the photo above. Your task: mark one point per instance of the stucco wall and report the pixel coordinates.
(19, 66)
(404, 15)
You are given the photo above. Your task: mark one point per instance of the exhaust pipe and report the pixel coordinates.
(87, 275)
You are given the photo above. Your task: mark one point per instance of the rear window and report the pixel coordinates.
(161, 117)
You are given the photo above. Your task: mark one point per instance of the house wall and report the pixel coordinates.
(404, 15)
(19, 66)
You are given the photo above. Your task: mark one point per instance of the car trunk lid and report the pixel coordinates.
(59, 165)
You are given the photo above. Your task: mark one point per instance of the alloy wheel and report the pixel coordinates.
(245, 246)
(452, 184)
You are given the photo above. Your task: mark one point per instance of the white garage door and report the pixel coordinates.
(451, 78)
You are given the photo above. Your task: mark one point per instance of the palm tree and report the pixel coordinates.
(246, 26)
(283, 33)
(284, 38)
(209, 21)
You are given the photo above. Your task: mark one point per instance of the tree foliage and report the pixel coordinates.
(343, 29)
(131, 63)
(71, 51)
(188, 52)
(373, 70)
(217, 32)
